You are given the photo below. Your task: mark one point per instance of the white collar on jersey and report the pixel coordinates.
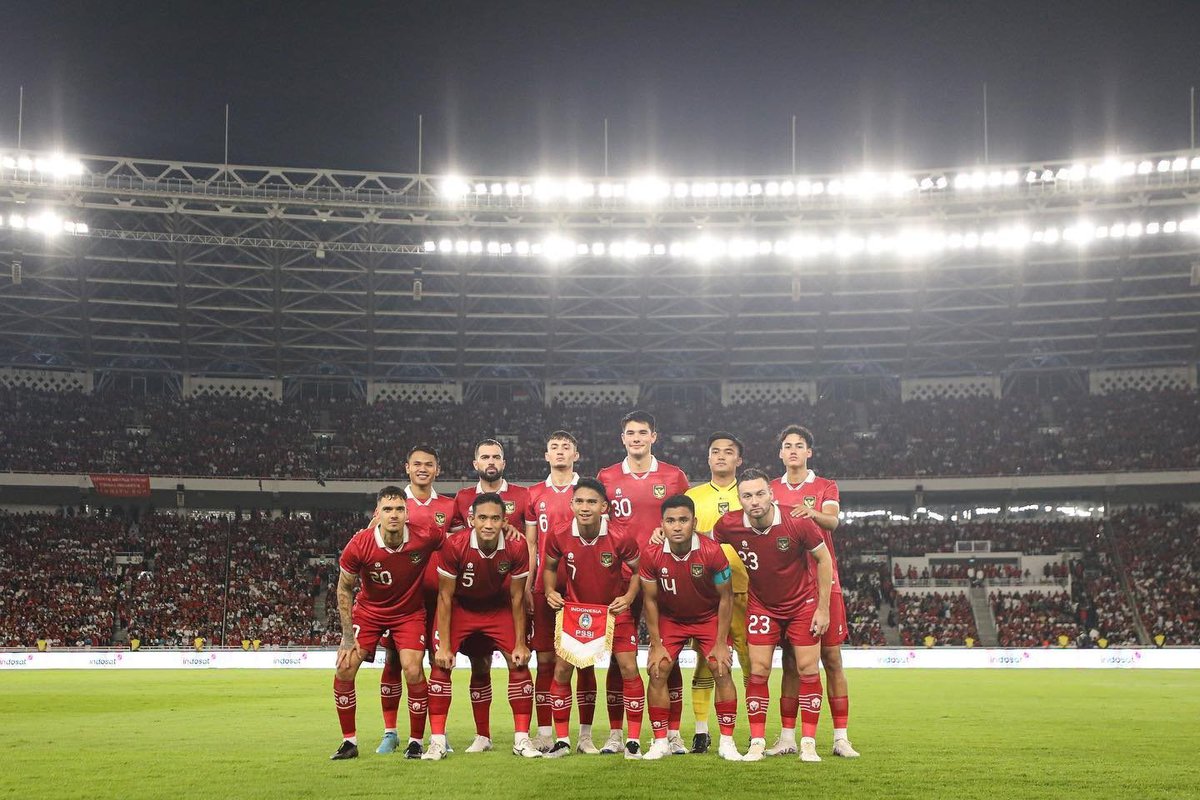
(561, 489)
(408, 493)
(695, 546)
(625, 467)
(778, 520)
(809, 478)
(503, 486)
(379, 539)
(475, 546)
(603, 530)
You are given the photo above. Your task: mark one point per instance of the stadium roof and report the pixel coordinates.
(122, 263)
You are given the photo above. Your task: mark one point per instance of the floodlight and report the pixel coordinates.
(445, 246)
(1179, 164)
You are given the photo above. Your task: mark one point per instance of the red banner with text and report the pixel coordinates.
(121, 485)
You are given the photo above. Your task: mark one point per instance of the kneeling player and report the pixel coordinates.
(687, 593)
(389, 559)
(594, 558)
(477, 613)
(786, 601)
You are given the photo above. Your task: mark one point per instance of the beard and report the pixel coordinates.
(491, 474)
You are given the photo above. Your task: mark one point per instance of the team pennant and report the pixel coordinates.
(582, 632)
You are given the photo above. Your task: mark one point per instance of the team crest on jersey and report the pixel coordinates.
(504, 567)
(509, 506)
(415, 558)
(607, 559)
(810, 501)
(783, 543)
(660, 491)
(697, 570)
(723, 507)
(440, 518)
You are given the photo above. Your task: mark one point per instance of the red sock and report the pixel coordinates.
(520, 698)
(616, 707)
(439, 701)
(788, 708)
(585, 694)
(481, 705)
(727, 716)
(758, 698)
(658, 721)
(541, 696)
(840, 708)
(675, 697)
(390, 692)
(418, 705)
(634, 697)
(345, 701)
(810, 703)
(560, 699)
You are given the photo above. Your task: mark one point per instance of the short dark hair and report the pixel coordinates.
(715, 435)
(389, 491)
(565, 436)
(801, 431)
(593, 484)
(753, 474)
(483, 498)
(678, 501)
(637, 415)
(423, 448)
(485, 442)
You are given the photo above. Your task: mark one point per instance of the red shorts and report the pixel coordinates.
(399, 631)
(675, 635)
(838, 631)
(763, 628)
(625, 634)
(478, 633)
(430, 623)
(541, 625)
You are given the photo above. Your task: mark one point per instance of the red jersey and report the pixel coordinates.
(782, 577)
(635, 499)
(591, 571)
(436, 512)
(391, 579)
(516, 501)
(482, 581)
(813, 492)
(687, 586)
(550, 507)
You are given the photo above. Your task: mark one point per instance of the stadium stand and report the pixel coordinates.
(1161, 552)
(234, 436)
(1035, 619)
(947, 618)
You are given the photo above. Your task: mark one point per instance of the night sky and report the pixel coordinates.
(519, 87)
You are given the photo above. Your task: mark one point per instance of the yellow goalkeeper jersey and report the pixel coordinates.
(711, 502)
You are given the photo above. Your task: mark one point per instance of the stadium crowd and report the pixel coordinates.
(230, 436)
(946, 618)
(1161, 551)
(1034, 619)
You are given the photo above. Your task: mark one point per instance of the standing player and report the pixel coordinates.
(389, 560)
(426, 509)
(815, 498)
(550, 509)
(637, 485)
(713, 499)
(687, 596)
(786, 600)
(489, 466)
(481, 608)
(595, 562)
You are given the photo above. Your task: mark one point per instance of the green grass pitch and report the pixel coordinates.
(933, 733)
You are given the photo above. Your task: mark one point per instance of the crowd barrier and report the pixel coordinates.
(881, 658)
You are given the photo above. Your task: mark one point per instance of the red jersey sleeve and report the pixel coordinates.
(717, 561)
(628, 550)
(808, 532)
(351, 560)
(447, 561)
(458, 520)
(553, 551)
(832, 494)
(646, 565)
(520, 558)
(720, 531)
(680, 484)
